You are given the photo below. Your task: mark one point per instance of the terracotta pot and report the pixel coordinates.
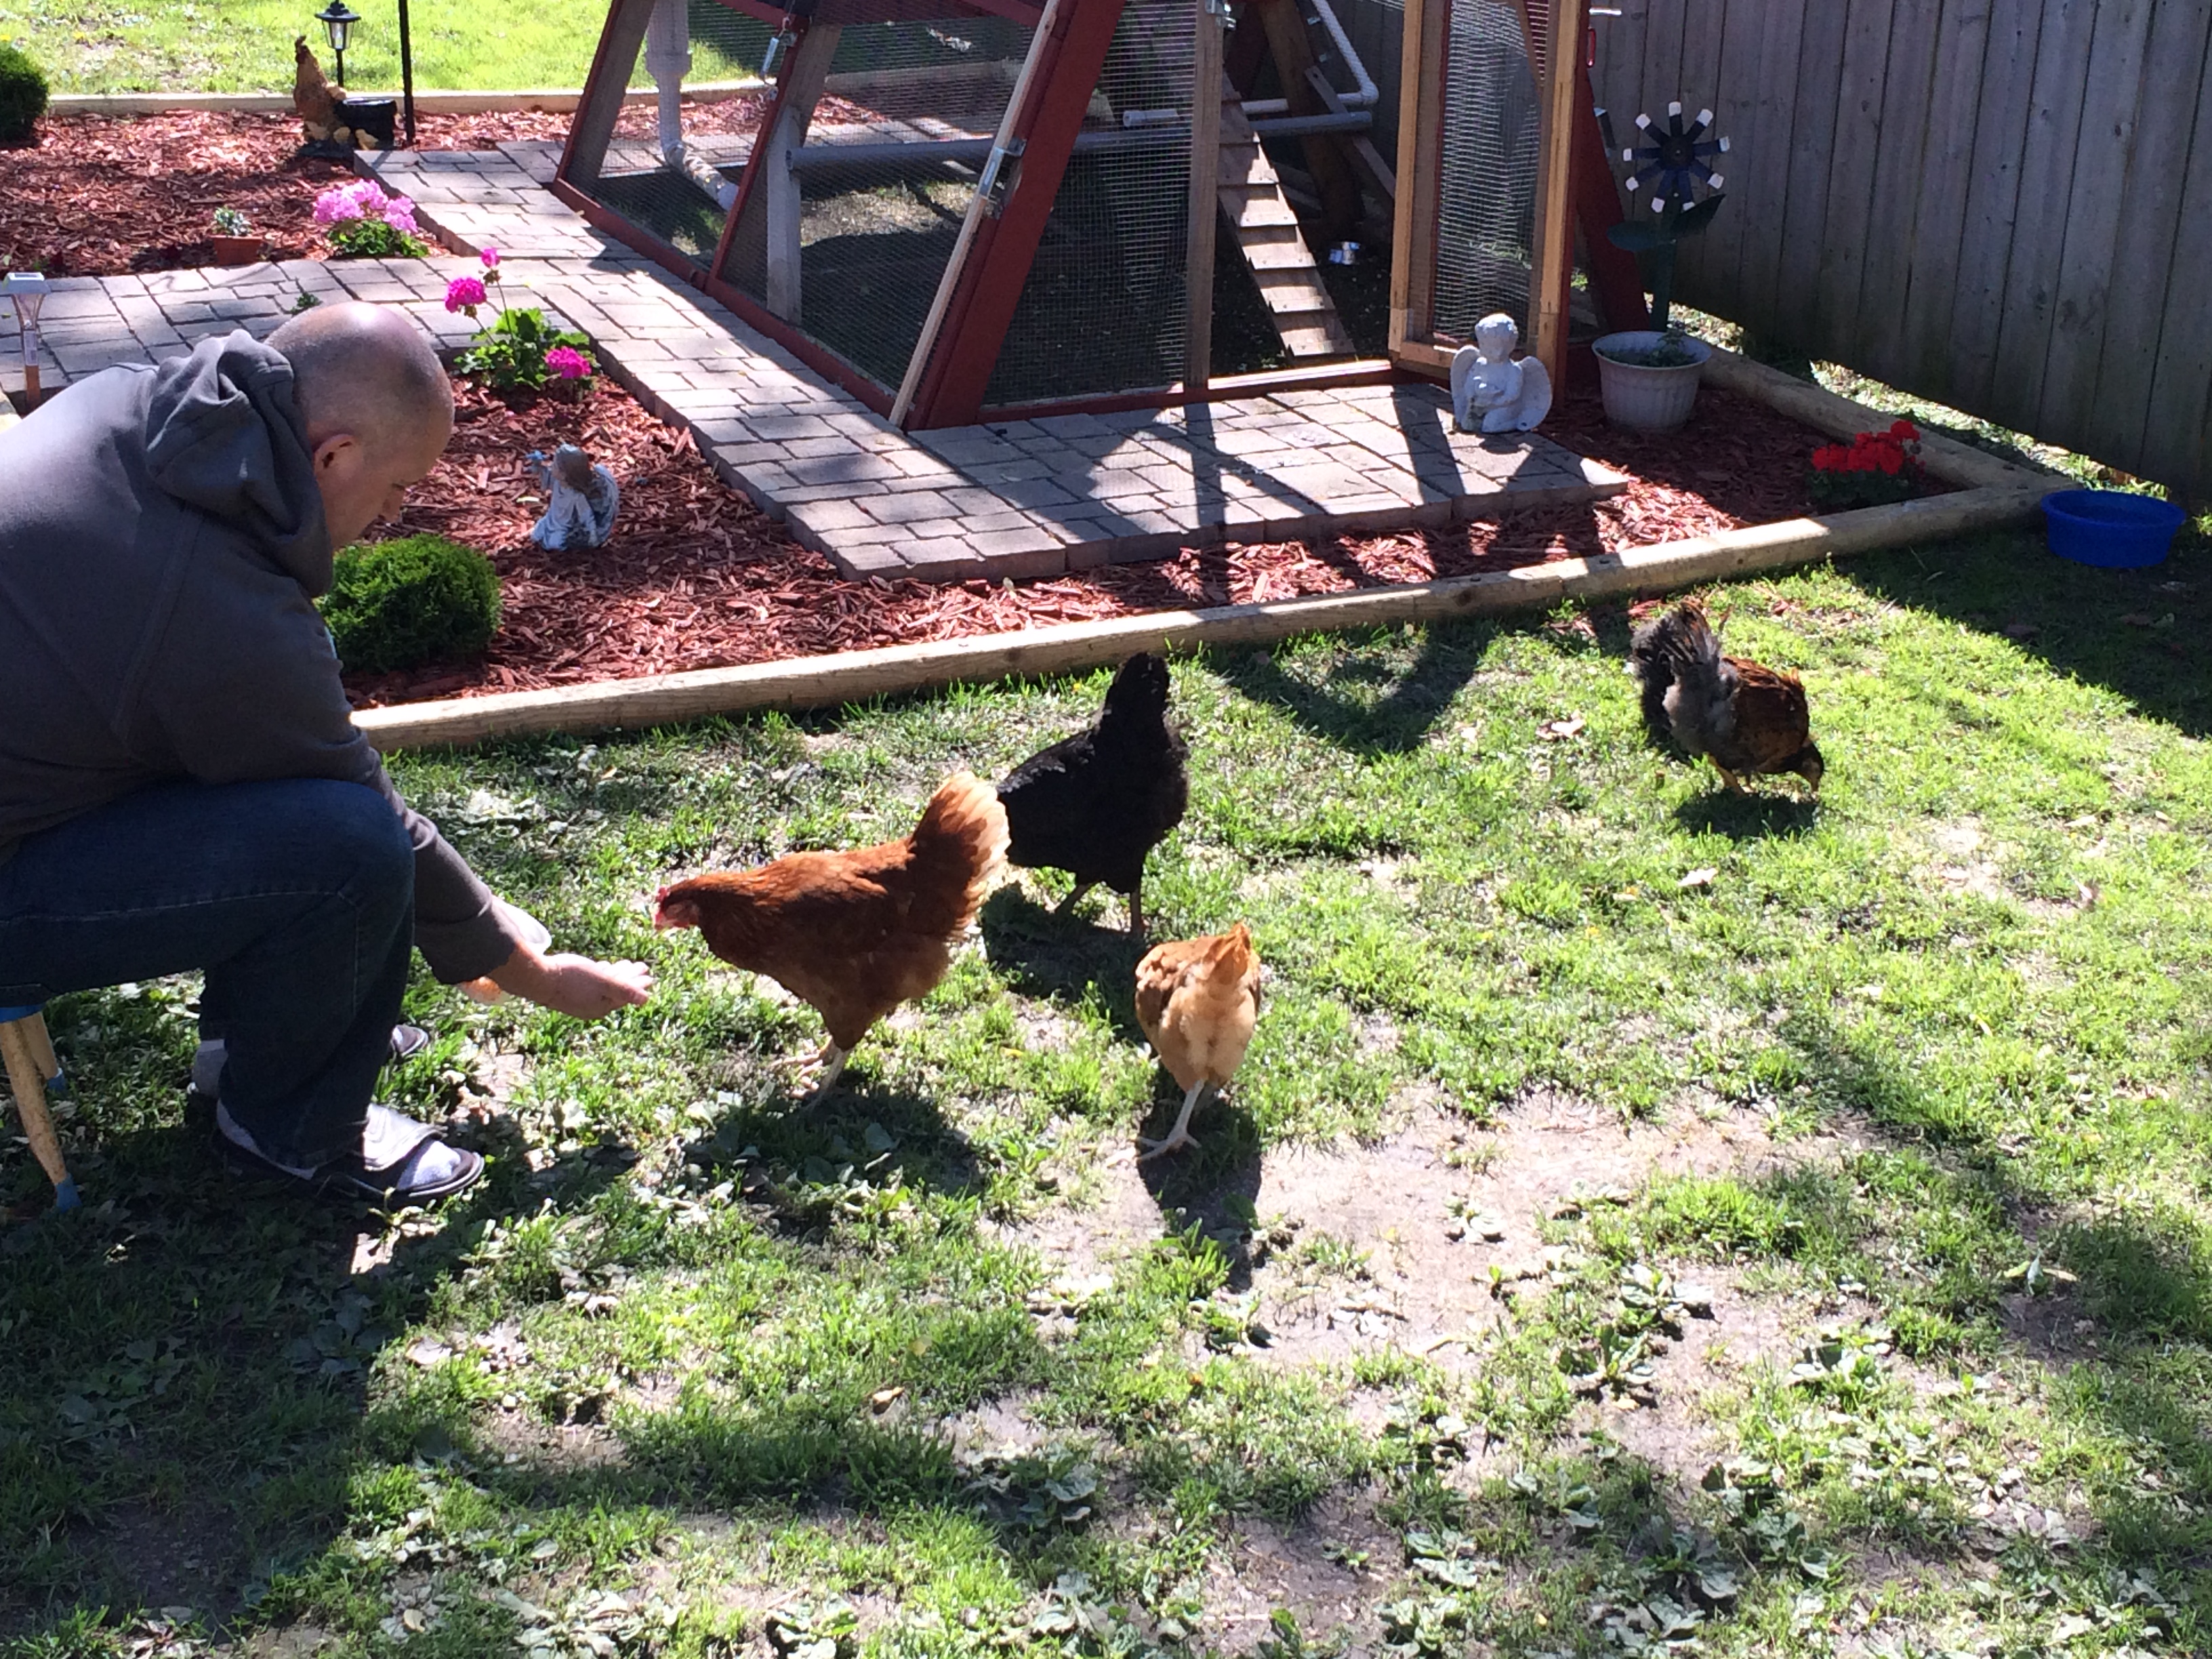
(238, 250)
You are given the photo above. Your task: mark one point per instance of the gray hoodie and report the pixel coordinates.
(161, 546)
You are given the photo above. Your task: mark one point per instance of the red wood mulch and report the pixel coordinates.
(106, 196)
(695, 579)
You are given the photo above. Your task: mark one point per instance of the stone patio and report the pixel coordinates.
(1022, 499)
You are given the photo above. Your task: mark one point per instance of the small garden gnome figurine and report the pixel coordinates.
(1490, 391)
(583, 499)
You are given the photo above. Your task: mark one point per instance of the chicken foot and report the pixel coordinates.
(1179, 1136)
(832, 1059)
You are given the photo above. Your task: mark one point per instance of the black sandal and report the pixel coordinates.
(400, 1163)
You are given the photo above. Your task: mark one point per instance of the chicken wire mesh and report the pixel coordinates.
(675, 159)
(906, 123)
(1102, 309)
(1486, 202)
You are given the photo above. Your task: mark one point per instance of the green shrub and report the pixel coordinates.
(398, 604)
(22, 95)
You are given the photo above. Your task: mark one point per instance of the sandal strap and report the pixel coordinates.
(390, 1140)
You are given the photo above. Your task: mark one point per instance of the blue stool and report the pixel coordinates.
(33, 1073)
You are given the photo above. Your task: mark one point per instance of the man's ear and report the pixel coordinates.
(335, 450)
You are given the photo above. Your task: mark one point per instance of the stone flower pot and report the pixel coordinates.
(238, 250)
(1649, 396)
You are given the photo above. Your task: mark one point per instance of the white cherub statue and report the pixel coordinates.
(579, 511)
(1488, 384)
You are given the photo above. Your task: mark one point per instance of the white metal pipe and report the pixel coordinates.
(1365, 97)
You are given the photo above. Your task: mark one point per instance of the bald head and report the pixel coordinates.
(378, 407)
(365, 370)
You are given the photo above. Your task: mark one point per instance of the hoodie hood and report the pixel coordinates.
(224, 435)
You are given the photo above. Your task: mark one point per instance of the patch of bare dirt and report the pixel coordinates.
(183, 1556)
(1328, 1569)
(1365, 1247)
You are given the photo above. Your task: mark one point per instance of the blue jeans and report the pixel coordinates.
(295, 898)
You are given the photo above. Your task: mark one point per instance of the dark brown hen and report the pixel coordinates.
(1746, 718)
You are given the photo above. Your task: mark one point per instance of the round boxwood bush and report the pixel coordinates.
(399, 603)
(22, 95)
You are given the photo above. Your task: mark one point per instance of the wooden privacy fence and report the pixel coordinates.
(2005, 205)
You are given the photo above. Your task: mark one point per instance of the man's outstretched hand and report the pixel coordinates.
(574, 985)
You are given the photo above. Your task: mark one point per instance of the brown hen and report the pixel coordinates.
(1198, 1000)
(855, 933)
(1746, 718)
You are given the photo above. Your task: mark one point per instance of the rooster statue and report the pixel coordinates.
(314, 99)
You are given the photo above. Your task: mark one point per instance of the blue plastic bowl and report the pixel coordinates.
(2110, 527)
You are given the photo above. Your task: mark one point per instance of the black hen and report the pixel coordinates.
(1094, 804)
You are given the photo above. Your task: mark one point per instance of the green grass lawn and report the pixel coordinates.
(245, 45)
(1853, 1292)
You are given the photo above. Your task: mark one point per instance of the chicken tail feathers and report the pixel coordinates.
(1679, 650)
(958, 846)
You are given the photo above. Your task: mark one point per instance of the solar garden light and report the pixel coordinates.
(337, 19)
(27, 289)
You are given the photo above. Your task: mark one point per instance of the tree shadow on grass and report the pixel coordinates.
(1063, 959)
(2071, 616)
(185, 1373)
(1339, 709)
(2126, 1346)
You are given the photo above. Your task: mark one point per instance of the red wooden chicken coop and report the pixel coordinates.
(975, 210)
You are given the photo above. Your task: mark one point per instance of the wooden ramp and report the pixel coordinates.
(1268, 230)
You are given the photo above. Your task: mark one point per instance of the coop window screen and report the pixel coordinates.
(1487, 194)
(907, 120)
(673, 164)
(1102, 309)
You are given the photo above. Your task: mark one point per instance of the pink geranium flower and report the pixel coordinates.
(567, 362)
(491, 258)
(465, 294)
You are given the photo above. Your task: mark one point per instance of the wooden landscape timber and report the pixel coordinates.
(1838, 416)
(857, 676)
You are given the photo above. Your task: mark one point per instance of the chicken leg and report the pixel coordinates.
(1137, 909)
(832, 1059)
(1179, 1136)
(1074, 898)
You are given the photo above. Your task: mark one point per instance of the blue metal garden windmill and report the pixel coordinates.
(1675, 163)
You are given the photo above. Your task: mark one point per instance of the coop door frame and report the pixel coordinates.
(1415, 341)
(1064, 61)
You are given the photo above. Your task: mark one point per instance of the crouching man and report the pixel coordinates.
(181, 783)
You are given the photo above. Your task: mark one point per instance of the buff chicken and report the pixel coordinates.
(1198, 1000)
(1746, 718)
(855, 933)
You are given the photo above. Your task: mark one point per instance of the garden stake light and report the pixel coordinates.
(406, 74)
(337, 19)
(28, 288)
